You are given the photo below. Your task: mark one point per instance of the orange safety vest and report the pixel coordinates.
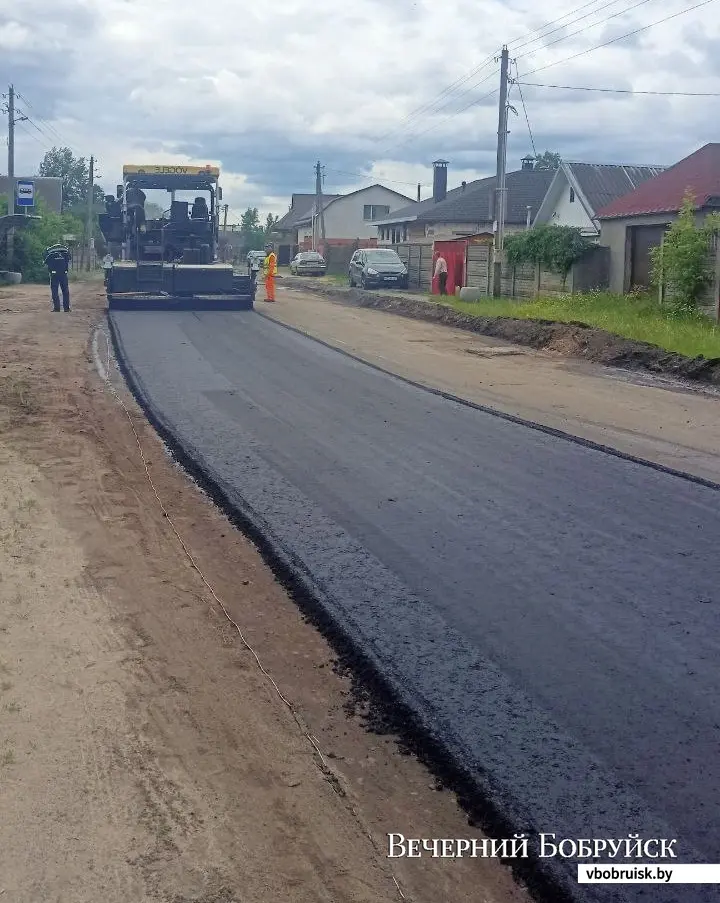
(271, 264)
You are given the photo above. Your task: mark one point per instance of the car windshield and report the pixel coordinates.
(382, 257)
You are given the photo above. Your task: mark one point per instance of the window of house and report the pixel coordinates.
(375, 211)
(572, 195)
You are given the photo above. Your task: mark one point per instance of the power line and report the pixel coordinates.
(573, 34)
(540, 35)
(527, 118)
(592, 12)
(51, 128)
(31, 134)
(615, 40)
(451, 89)
(623, 90)
(430, 128)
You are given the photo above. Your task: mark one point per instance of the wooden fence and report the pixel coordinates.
(418, 259)
(523, 281)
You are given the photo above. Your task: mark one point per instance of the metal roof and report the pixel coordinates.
(603, 183)
(699, 174)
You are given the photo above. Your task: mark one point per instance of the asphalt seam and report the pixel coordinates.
(504, 415)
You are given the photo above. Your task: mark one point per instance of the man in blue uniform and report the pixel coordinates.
(57, 260)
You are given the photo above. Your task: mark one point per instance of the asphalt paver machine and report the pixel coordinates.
(170, 262)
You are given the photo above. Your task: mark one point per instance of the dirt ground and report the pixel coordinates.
(144, 755)
(658, 419)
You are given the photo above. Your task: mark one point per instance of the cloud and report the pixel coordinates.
(264, 91)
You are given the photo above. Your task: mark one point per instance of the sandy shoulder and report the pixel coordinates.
(143, 756)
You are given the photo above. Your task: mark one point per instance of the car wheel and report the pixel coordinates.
(362, 282)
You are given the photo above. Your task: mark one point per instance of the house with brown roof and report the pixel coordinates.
(631, 225)
(579, 190)
(467, 210)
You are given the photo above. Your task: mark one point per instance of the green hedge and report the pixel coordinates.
(31, 241)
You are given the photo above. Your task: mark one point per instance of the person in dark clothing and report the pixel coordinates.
(135, 199)
(57, 260)
(199, 209)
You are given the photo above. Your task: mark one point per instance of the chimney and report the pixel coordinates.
(528, 162)
(439, 180)
(419, 187)
(464, 184)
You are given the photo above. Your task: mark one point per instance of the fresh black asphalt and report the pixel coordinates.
(551, 612)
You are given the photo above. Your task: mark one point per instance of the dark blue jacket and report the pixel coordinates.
(57, 260)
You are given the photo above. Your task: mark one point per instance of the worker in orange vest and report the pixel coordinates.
(270, 272)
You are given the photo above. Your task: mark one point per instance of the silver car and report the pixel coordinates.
(308, 263)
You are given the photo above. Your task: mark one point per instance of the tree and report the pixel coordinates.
(253, 233)
(681, 264)
(548, 160)
(74, 172)
(270, 223)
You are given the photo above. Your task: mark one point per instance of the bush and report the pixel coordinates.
(681, 263)
(31, 241)
(554, 248)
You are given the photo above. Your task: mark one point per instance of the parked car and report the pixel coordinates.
(373, 267)
(308, 263)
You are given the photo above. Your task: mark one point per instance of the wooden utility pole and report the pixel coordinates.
(500, 188)
(90, 243)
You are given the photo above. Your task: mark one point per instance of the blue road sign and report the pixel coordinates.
(25, 194)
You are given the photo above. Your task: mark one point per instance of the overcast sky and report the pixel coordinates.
(266, 90)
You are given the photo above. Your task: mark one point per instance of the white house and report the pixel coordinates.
(353, 216)
(579, 190)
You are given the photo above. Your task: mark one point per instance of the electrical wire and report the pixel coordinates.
(573, 34)
(427, 107)
(604, 7)
(51, 128)
(527, 118)
(619, 38)
(320, 761)
(414, 136)
(538, 35)
(32, 135)
(622, 90)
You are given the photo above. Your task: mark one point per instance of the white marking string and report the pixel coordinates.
(105, 370)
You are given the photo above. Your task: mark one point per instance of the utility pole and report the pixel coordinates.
(12, 186)
(319, 199)
(225, 216)
(500, 190)
(89, 223)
